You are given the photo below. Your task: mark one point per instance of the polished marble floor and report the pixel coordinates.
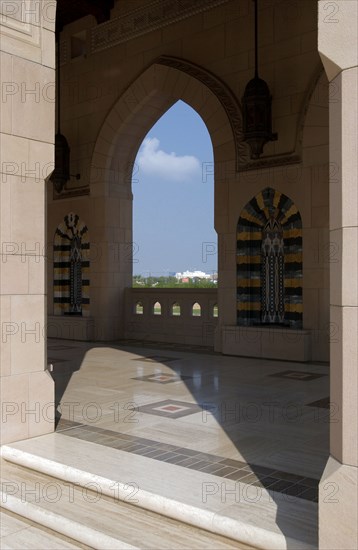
(235, 446)
(266, 415)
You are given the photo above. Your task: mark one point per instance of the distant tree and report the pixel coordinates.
(170, 282)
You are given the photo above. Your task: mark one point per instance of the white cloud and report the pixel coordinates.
(153, 161)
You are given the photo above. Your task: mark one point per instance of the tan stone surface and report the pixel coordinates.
(338, 501)
(27, 155)
(337, 41)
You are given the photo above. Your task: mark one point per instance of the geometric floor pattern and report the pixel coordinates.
(323, 403)
(59, 347)
(170, 408)
(162, 378)
(235, 470)
(232, 417)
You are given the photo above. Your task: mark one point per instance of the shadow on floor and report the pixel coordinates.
(282, 409)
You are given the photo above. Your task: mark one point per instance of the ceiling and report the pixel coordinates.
(69, 11)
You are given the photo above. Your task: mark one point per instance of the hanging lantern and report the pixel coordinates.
(256, 109)
(61, 173)
(256, 105)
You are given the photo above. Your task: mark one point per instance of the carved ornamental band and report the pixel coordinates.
(155, 15)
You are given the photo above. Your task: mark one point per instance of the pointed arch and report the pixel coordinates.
(175, 309)
(260, 271)
(157, 308)
(196, 310)
(71, 267)
(140, 106)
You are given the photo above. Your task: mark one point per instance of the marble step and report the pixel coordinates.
(18, 532)
(244, 513)
(94, 520)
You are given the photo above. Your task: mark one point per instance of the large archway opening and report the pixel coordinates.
(106, 185)
(113, 163)
(174, 240)
(218, 389)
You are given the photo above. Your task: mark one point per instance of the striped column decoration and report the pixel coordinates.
(71, 260)
(268, 205)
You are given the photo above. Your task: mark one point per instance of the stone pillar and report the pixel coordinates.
(337, 43)
(27, 129)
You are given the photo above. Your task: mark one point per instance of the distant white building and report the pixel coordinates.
(192, 275)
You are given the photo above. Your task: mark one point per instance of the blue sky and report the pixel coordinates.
(173, 196)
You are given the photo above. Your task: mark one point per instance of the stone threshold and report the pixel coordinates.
(226, 469)
(243, 513)
(90, 520)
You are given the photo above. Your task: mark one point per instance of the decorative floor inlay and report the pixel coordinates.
(156, 359)
(59, 347)
(170, 408)
(64, 424)
(162, 378)
(226, 468)
(323, 403)
(297, 375)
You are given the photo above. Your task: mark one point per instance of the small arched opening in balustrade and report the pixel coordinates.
(157, 308)
(175, 310)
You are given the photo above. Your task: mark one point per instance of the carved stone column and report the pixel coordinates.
(27, 105)
(337, 42)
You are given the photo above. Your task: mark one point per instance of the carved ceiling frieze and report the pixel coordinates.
(155, 15)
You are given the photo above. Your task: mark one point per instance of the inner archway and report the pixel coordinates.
(113, 164)
(173, 203)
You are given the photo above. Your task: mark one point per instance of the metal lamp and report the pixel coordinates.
(256, 107)
(61, 173)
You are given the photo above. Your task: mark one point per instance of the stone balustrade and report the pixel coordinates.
(185, 315)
